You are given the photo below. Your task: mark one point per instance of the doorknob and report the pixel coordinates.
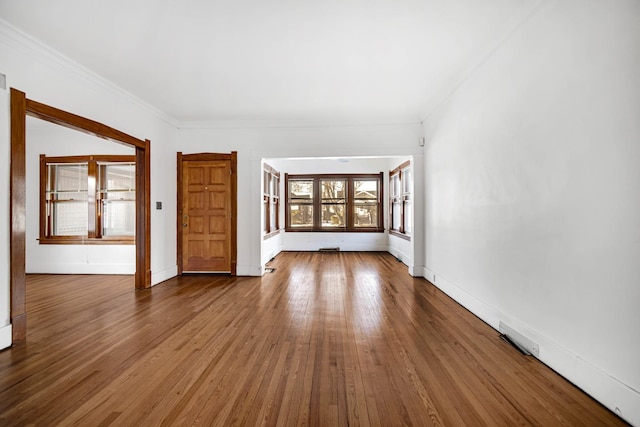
(184, 224)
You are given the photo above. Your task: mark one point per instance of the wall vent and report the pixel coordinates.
(334, 249)
(519, 341)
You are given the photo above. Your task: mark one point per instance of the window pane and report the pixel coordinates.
(397, 215)
(301, 189)
(70, 177)
(395, 186)
(365, 189)
(117, 188)
(301, 215)
(407, 217)
(68, 197)
(118, 178)
(366, 214)
(273, 213)
(406, 181)
(118, 218)
(333, 215)
(333, 189)
(265, 209)
(265, 182)
(69, 218)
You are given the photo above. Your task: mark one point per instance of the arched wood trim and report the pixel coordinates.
(21, 107)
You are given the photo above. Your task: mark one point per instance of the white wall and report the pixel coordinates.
(255, 144)
(53, 140)
(5, 327)
(533, 193)
(50, 78)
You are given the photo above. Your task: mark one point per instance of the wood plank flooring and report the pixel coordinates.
(325, 340)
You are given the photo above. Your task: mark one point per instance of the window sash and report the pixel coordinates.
(80, 204)
(333, 205)
(271, 200)
(400, 184)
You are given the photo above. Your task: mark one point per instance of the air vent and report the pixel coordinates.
(519, 341)
(334, 249)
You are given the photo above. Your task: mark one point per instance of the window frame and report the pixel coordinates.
(403, 198)
(349, 203)
(94, 225)
(270, 200)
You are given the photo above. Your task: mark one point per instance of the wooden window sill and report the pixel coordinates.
(86, 241)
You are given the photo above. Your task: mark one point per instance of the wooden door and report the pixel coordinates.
(207, 216)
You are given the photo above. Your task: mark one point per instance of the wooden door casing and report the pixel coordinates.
(206, 213)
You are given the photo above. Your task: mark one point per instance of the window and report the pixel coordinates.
(334, 202)
(271, 200)
(87, 199)
(400, 200)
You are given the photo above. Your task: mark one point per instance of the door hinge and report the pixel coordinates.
(230, 172)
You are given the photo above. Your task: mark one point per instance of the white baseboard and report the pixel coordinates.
(415, 270)
(611, 392)
(249, 270)
(162, 275)
(83, 268)
(5, 336)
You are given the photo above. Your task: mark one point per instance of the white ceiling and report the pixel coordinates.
(277, 60)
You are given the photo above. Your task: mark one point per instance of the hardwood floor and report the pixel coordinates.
(325, 340)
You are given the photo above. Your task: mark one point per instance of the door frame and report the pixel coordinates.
(200, 157)
(21, 107)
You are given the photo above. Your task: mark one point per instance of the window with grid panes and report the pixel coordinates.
(400, 185)
(351, 202)
(87, 199)
(271, 200)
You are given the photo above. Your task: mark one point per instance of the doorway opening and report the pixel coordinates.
(21, 107)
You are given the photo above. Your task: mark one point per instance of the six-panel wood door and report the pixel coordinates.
(206, 216)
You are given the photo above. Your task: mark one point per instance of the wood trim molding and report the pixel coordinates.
(18, 215)
(143, 217)
(204, 157)
(179, 213)
(20, 108)
(79, 123)
(234, 212)
(115, 158)
(400, 167)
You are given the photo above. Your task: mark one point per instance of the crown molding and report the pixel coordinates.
(297, 124)
(15, 38)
